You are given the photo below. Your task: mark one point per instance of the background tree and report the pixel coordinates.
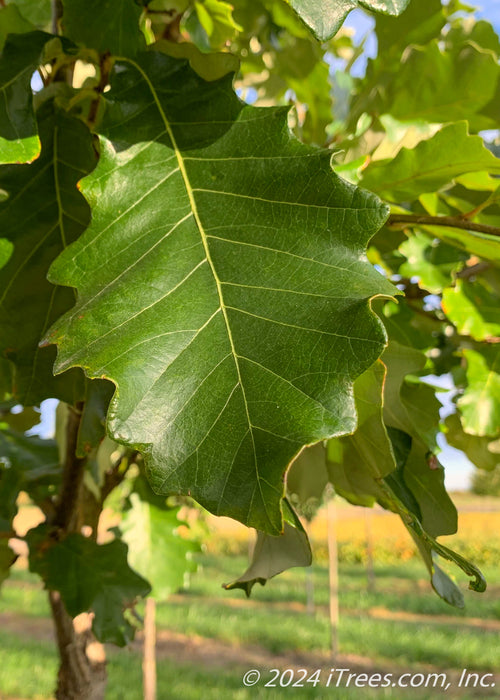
(191, 281)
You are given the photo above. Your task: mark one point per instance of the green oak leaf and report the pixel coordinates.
(211, 24)
(483, 452)
(425, 84)
(273, 555)
(430, 165)
(20, 57)
(431, 260)
(474, 308)
(42, 215)
(89, 576)
(233, 321)
(410, 406)
(479, 405)
(104, 25)
(392, 475)
(325, 18)
(156, 550)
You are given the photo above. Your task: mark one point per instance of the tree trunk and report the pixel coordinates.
(82, 671)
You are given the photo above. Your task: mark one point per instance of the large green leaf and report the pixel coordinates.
(234, 321)
(18, 133)
(42, 215)
(105, 25)
(430, 165)
(156, 550)
(474, 308)
(326, 18)
(480, 404)
(89, 576)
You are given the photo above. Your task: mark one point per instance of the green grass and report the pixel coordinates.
(28, 666)
(28, 670)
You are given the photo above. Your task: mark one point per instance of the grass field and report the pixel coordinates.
(208, 637)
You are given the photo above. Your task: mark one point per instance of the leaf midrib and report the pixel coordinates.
(203, 235)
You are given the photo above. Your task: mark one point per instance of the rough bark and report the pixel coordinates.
(82, 670)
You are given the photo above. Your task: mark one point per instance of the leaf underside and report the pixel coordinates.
(222, 286)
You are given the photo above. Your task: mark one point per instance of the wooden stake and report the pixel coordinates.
(149, 660)
(370, 569)
(333, 570)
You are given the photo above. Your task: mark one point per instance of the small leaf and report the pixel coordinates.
(89, 576)
(474, 308)
(432, 261)
(212, 25)
(156, 549)
(273, 555)
(482, 451)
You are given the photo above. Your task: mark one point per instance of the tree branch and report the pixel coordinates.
(450, 221)
(73, 471)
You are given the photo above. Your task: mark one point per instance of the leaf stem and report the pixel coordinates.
(450, 221)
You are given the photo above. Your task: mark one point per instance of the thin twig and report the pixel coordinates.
(449, 221)
(56, 13)
(473, 270)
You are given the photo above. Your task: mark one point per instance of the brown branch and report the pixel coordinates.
(56, 12)
(450, 221)
(73, 472)
(104, 68)
(473, 270)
